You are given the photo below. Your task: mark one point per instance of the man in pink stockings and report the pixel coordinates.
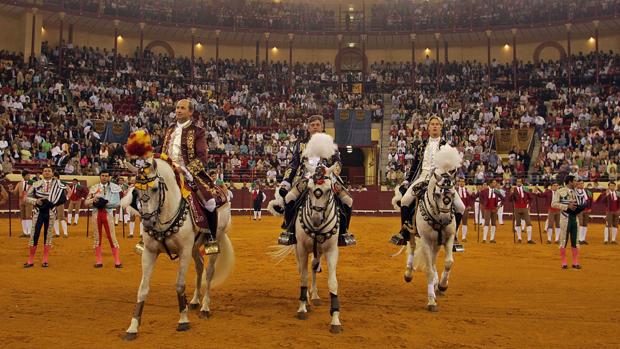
(105, 197)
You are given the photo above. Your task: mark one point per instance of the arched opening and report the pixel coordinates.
(158, 46)
(552, 51)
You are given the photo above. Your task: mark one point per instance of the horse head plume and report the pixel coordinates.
(448, 159)
(320, 145)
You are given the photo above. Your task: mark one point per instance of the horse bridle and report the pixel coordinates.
(143, 183)
(317, 232)
(446, 185)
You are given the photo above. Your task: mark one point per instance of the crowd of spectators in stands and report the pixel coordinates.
(390, 15)
(258, 113)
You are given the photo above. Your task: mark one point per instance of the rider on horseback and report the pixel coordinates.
(295, 183)
(417, 180)
(186, 146)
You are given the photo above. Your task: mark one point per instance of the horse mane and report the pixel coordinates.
(320, 145)
(447, 159)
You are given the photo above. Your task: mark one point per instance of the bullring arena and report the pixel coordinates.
(502, 296)
(188, 112)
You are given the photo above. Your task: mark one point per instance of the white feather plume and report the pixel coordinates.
(320, 145)
(447, 158)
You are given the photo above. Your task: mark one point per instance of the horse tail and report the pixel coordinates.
(396, 198)
(419, 256)
(276, 206)
(226, 259)
(279, 253)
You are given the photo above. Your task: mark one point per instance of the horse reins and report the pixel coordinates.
(173, 224)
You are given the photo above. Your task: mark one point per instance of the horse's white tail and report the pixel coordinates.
(419, 256)
(279, 253)
(226, 259)
(396, 198)
(278, 202)
(126, 202)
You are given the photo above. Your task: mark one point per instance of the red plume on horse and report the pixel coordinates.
(139, 144)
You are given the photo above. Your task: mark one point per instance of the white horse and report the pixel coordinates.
(435, 224)
(316, 230)
(169, 229)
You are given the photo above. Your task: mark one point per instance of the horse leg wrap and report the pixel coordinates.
(182, 300)
(303, 294)
(335, 303)
(137, 312)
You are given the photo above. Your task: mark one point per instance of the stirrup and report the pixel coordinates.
(211, 247)
(286, 239)
(346, 239)
(139, 248)
(398, 240)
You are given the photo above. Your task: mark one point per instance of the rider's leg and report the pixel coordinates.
(344, 237)
(287, 237)
(407, 210)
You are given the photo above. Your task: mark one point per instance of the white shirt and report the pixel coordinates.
(429, 153)
(175, 144)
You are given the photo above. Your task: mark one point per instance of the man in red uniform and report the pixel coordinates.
(521, 199)
(468, 199)
(77, 193)
(612, 205)
(490, 200)
(553, 215)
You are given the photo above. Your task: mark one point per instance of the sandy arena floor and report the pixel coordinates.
(500, 296)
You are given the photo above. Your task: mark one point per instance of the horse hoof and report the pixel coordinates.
(302, 315)
(193, 306)
(183, 327)
(442, 288)
(335, 329)
(432, 308)
(408, 278)
(317, 302)
(204, 314)
(129, 336)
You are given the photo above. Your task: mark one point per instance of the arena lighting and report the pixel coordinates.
(591, 39)
(119, 37)
(274, 49)
(199, 45)
(42, 30)
(427, 50)
(506, 47)
(351, 8)
(349, 149)
(351, 44)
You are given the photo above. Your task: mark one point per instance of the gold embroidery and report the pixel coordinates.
(190, 144)
(195, 167)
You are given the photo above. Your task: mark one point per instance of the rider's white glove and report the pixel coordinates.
(286, 185)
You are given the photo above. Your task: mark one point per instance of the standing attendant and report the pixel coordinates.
(553, 215)
(258, 196)
(584, 195)
(25, 209)
(44, 195)
(105, 197)
(612, 205)
(565, 199)
(467, 199)
(522, 199)
(60, 215)
(77, 193)
(490, 200)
